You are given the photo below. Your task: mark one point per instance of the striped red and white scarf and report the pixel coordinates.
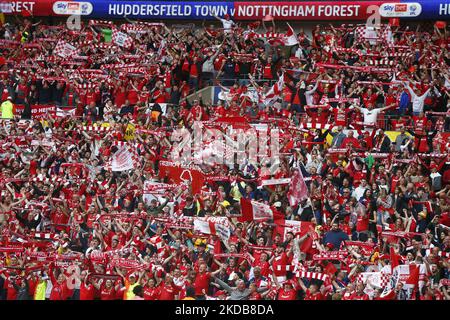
(312, 275)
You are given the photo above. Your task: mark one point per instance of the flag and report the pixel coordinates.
(121, 39)
(330, 269)
(64, 49)
(179, 173)
(274, 92)
(256, 211)
(298, 190)
(387, 35)
(395, 22)
(123, 159)
(387, 294)
(393, 258)
(26, 13)
(296, 227)
(409, 275)
(290, 38)
(219, 226)
(378, 279)
(412, 282)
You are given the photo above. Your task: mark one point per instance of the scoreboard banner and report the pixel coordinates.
(238, 10)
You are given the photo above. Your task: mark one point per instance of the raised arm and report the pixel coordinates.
(223, 284)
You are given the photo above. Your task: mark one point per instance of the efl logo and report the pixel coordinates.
(401, 7)
(84, 8)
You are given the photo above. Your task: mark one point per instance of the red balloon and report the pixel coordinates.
(440, 24)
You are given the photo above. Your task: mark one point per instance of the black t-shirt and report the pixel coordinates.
(307, 214)
(204, 212)
(228, 70)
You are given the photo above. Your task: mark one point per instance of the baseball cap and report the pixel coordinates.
(225, 203)
(231, 277)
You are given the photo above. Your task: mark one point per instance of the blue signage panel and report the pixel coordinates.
(161, 9)
(434, 9)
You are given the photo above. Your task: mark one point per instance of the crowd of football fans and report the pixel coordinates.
(363, 116)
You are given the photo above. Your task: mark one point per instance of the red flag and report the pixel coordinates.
(289, 145)
(413, 275)
(388, 295)
(256, 211)
(290, 38)
(298, 190)
(393, 258)
(330, 269)
(26, 13)
(395, 22)
(296, 227)
(213, 225)
(274, 92)
(412, 283)
(178, 174)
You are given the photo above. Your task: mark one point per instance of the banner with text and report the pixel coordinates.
(238, 10)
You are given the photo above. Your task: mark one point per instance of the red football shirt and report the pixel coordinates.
(201, 282)
(87, 292)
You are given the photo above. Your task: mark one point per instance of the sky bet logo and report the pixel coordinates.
(61, 5)
(401, 8)
(72, 8)
(411, 9)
